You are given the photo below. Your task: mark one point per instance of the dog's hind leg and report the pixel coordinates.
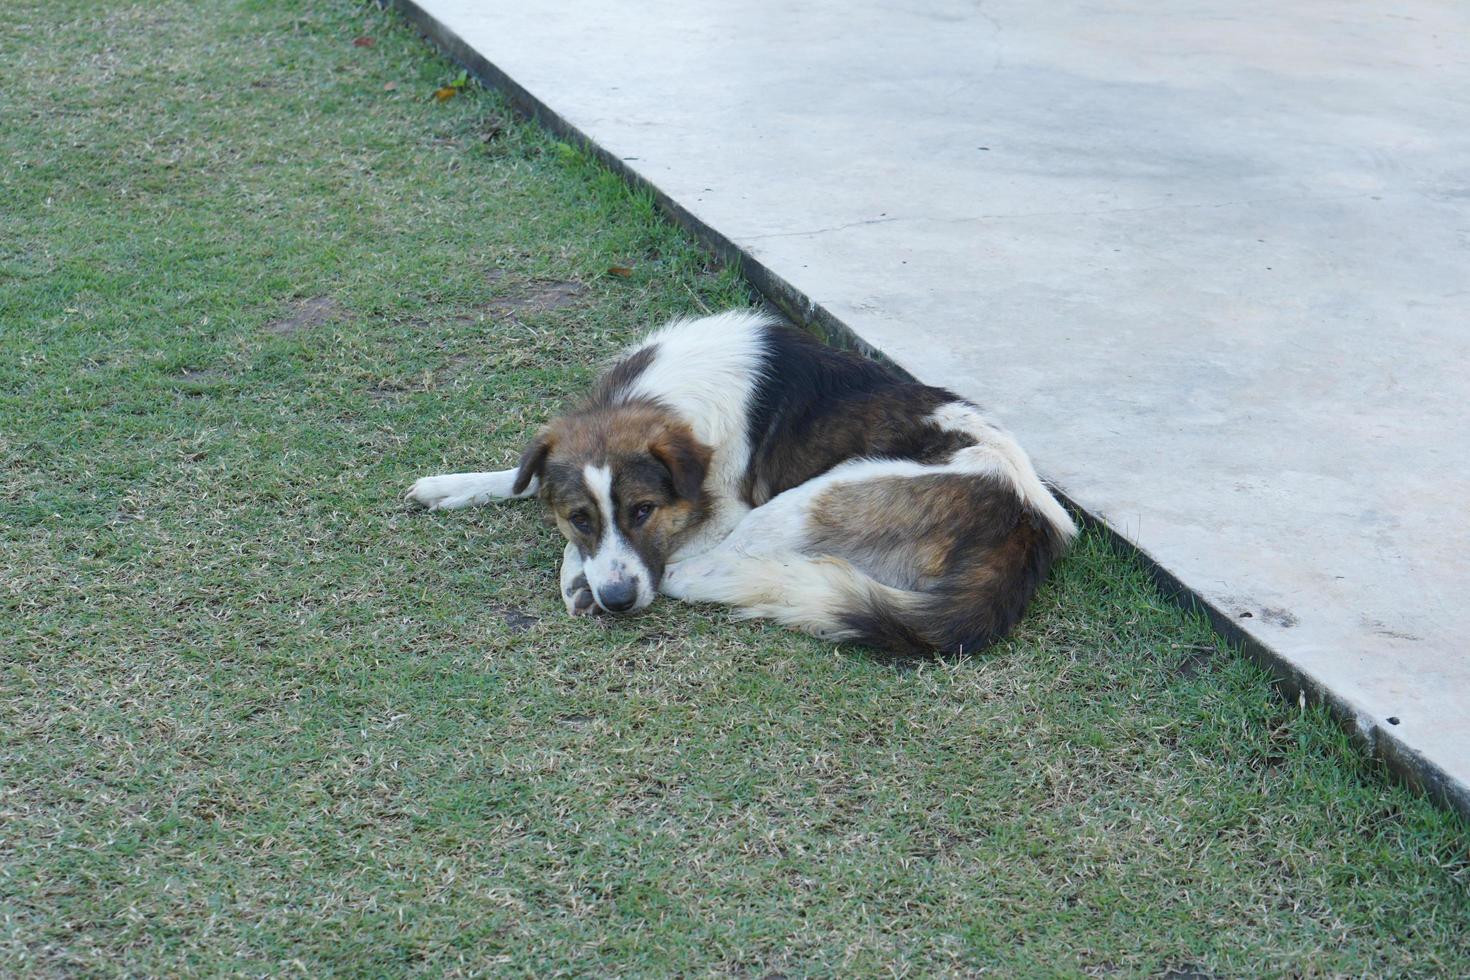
(819, 595)
(763, 570)
(451, 491)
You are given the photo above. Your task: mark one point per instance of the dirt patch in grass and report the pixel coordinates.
(518, 620)
(196, 382)
(306, 314)
(1188, 972)
(1196, 661)
(390, 390)
(536, 296)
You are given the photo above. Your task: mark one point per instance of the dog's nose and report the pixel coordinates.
(619, 596)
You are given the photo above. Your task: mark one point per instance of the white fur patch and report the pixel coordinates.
(996, 452)
(800, 591)
(599, 484)
(451, 491)
(706, 370)
(614, 562)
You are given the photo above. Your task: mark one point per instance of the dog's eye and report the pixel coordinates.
(581, 521)
(641, 513)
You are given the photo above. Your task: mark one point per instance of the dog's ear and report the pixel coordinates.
(533, 460)
(686, 459)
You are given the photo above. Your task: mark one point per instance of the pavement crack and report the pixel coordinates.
(826, 231)
(1067, 212)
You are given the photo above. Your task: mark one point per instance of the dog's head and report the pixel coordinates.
(625, 485)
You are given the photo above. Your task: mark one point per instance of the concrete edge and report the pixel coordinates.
(1295, 684)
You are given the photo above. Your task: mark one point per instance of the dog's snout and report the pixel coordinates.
(618, 596)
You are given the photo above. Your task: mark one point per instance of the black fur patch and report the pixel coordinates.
(815, 407)
(616, 380)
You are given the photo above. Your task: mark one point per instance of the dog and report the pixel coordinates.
(735, 460)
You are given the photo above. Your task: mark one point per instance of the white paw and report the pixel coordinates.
(679, 576)
(441, 493)
(578, 598)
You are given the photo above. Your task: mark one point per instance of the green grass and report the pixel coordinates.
(259, 716)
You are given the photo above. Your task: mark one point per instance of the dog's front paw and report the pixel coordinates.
(578, 597)
(676, 579)
(440, 492)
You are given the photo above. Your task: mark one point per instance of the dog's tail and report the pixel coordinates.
(963, 612)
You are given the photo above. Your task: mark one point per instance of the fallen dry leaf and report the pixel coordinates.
(363, 42)
(390, 86)
(445, 94)
(621, 271)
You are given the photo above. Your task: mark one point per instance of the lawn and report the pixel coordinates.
(257, 715)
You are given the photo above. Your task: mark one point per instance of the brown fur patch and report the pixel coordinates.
(964, 544)
(924, 526)
(598, 435)
(653, 459)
